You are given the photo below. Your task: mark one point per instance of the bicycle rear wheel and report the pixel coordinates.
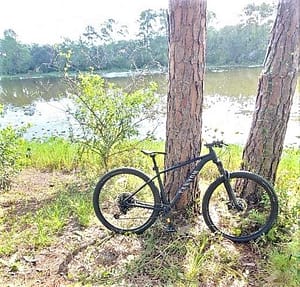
(257, 201)
(125, 200)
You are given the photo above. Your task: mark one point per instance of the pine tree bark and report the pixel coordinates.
(187, 34)
(276, 88)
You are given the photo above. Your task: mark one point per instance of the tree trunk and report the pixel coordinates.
(276, 88)
(187, 32)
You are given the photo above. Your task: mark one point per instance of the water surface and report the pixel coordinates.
(228, 104)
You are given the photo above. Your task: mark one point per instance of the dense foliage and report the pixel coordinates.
(109, 48)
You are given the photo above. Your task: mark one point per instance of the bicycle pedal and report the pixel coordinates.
(170, 228)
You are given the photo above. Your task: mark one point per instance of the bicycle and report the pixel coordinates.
(240, 205)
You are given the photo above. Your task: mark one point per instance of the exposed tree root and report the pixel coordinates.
(63, 268)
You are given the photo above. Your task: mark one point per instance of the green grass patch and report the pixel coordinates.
(53, 154)
(60, 154)
(39, 228)
(162, 258)
(284, 264)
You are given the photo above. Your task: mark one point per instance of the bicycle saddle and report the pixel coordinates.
(152, 153)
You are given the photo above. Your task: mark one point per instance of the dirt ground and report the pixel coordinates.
(76, 252)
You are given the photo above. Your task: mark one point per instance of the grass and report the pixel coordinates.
(38, 228)
(185, 260)
(284, 263)
(59, 154)
(57, 215)
(55, 154)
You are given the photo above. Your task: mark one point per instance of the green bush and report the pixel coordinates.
(107, 116)
(10, 155)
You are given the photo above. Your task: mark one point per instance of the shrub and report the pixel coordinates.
(10, 141)
(106, 116)
(10, 153)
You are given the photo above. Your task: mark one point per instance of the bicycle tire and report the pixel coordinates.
(254, 194)
(111, 206)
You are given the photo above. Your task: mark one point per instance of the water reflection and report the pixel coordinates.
(21, 92)
(234, 83)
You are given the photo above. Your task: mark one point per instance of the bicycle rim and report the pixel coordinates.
(117, 209)
(257, 210)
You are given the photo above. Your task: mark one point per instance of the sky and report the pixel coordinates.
(50, 21)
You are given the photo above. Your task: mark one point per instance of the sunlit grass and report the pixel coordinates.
(53, 154)
(59, 154)
(162, 258)
(38, 228)
(284, 264)
(288, 173)
(186, 260)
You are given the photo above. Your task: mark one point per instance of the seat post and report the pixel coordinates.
(160, 183)
(155, 167)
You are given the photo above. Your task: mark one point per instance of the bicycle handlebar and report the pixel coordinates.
(216, 144)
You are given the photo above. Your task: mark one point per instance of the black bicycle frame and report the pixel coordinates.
(167, 205)
(185, 186)
(211, 156)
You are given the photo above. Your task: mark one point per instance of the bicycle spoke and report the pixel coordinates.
(125, 201)
(251, 215)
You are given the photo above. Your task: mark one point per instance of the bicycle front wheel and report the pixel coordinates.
(125, 200)
(253, 215)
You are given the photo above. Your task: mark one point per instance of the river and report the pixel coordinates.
(228, 105)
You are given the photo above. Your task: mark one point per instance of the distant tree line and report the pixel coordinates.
(108, 47)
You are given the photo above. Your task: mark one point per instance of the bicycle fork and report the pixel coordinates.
(232, 197)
